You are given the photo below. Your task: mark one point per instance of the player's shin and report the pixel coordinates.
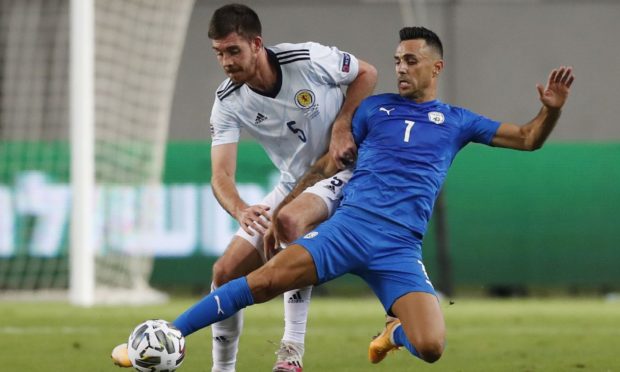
(226, 341)
(220, 304)
(296, 304)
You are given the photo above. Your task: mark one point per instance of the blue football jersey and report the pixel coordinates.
(404, 152)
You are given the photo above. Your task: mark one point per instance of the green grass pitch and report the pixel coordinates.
(483, 335)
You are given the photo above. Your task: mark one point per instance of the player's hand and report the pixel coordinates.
(254, 219)
(342, 148)
(554, 95)
(271, 243)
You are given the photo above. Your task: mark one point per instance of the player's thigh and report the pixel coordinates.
(422, 321)
(303, 213)
(240, 258)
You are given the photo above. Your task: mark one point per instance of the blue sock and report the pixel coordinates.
(400, 339)
(220, 304)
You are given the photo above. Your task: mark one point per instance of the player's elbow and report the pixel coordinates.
(532, 145)
(532, 140)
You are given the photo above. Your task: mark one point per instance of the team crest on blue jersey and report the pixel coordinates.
(311, 235)
(436, 117)
(304, 98)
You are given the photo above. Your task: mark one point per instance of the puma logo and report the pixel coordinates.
(387, 111)
(219, 305)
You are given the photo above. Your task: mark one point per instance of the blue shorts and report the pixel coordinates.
(387, 256)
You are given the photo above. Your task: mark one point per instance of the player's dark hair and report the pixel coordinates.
(237, 18)
(431, 38)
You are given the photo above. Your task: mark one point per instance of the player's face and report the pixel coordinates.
(237, 56)
(416, 67)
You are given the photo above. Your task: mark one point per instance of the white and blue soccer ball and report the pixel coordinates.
(156, 346)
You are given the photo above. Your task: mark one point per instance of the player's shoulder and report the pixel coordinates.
(461, 113)
(226, 89)
(292, 52)
(291, 47)
(308, 50)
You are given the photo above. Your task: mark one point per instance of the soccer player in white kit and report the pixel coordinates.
(287, 97)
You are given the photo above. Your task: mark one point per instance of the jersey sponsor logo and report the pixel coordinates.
(436, 117)
(387, 111)
(346, 62)
(260, 118)
(311, 235)
(304, 98)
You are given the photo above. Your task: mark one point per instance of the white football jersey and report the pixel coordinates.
(292, 123)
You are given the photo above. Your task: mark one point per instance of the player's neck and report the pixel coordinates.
(423, 99)
(266, 75)
(427, 95)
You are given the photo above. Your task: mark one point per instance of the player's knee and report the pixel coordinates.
(221, 273)
(288, 225)
(430, 350)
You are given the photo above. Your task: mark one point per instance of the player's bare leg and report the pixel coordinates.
(239, 259)
(291, 268)
(294, 220)
(419, 326)
(300, 216)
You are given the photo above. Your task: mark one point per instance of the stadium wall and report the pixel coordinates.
(542, 219)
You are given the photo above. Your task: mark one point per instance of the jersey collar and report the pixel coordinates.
(432, 103)
(273, 60)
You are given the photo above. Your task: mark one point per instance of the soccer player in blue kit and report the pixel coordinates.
(406, 144)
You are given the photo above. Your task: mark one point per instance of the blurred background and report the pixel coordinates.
(509, 223)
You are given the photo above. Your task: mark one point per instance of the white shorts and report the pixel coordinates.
(329, 190)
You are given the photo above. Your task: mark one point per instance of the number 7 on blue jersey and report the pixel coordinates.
(408, 130)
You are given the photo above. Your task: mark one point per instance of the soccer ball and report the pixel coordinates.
(156, 346)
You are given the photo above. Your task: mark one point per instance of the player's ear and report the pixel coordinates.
(257, 43)
(437, 67)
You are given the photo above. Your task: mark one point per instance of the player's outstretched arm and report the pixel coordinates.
(342, 146)
(533, 135)
(251, 218)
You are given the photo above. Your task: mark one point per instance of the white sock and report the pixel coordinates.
(226, 341)
(296, 304)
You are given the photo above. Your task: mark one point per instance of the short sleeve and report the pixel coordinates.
(478, 128)
(333, 66)
(224, 125)
(359, 124)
